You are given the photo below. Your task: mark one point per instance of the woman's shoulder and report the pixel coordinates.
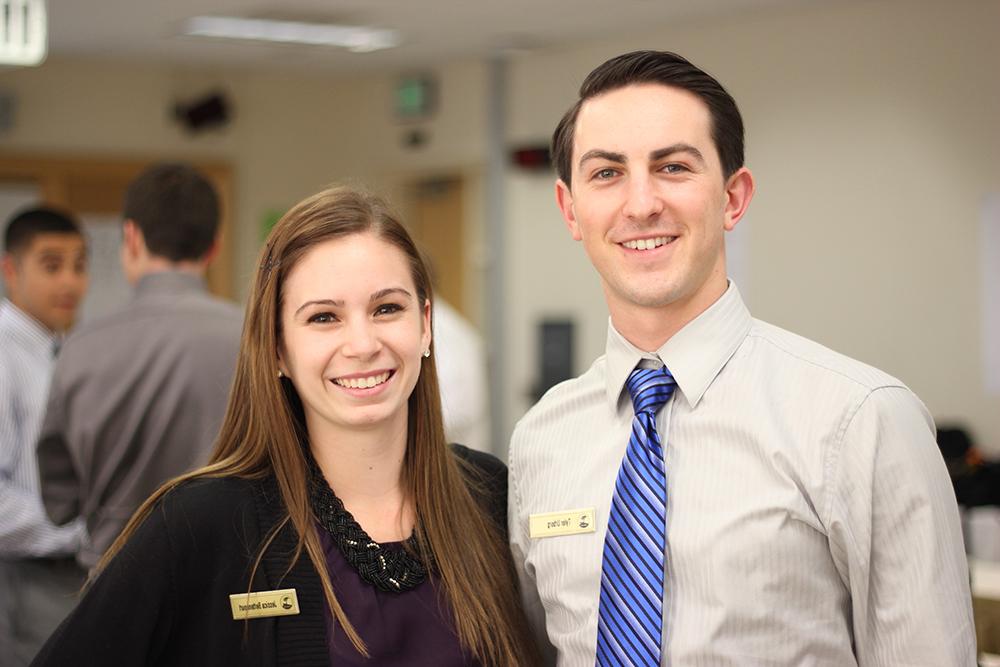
(203, 504)
(197, 523)
(487, 480)
(484, 463)
(211, 491)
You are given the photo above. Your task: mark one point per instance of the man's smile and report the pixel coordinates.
(648, 244)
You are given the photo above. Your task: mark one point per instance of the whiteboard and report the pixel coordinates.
(109, 290)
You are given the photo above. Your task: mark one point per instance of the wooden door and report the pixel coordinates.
(436, 220)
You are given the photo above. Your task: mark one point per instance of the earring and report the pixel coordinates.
(427, 353)
(280, 375)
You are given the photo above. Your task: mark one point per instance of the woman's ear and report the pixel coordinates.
(428, 320)
(282, 366)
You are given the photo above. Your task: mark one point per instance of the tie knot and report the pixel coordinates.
(650, 388)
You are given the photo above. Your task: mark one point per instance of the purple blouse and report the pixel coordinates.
(410, 628)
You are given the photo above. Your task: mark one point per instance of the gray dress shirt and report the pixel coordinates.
(27, 356)
(137, 398)
(810, 519)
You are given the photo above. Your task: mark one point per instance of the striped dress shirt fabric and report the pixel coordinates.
(810, 518)
(26, 365)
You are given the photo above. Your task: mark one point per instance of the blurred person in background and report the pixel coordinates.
(45, 277)
(333, 524)
(138, 395)
(462, 375)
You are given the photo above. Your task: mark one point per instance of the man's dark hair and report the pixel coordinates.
(28, 223)
(177, 210)
(668, 69)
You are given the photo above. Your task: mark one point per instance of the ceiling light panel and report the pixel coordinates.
(358, 39)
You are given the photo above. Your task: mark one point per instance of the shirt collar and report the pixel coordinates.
(169, 282)
(694, 355)
(26, 327)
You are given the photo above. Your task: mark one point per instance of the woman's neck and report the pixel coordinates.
(364, 467)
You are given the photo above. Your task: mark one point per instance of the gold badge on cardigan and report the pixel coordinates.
(566, 522)
(259, 604)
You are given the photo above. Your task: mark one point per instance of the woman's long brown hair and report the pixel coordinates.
(264, 428)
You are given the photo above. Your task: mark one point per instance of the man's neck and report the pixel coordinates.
(160, 265)
(154, 265)
(649, 328)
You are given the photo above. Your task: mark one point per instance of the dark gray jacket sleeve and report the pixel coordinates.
(60, 484)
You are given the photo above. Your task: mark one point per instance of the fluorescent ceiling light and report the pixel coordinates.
(23, 32)
(354, 38)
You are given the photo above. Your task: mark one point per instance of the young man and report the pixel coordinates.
(45, 277)
(767, 500)
(139, 395)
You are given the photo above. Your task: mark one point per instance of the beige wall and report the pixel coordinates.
(290, 135)
(872, 130)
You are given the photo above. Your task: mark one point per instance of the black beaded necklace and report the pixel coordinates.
(393, 570)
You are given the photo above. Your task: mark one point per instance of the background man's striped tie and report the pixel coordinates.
(630, 622)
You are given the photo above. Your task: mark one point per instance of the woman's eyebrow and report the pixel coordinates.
(320, 302)
(382, 293)
(337, 303)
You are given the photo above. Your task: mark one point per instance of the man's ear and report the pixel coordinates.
(8, 267)
(564, 198)
(739, 191)
(132, 239)
(211, 253)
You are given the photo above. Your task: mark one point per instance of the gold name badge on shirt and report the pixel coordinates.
(264, 603)
(567, 522)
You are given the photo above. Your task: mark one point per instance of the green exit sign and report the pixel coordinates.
(416, 97)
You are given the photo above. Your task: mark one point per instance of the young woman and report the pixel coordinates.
(333, 525)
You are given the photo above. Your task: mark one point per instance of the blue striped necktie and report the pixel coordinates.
(630, 621)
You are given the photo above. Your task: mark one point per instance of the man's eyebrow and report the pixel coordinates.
(661, 153)
(598, 154)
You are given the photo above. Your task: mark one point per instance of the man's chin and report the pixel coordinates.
(61, 324)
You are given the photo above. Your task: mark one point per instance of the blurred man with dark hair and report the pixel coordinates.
(138, 396)
(45, 275)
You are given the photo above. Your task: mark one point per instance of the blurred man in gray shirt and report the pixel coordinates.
(139, 396)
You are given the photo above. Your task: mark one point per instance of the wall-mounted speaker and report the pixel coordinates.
(204, 113)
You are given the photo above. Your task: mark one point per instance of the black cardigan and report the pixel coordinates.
(164, 599)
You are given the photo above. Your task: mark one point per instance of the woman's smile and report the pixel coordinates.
(364, 384)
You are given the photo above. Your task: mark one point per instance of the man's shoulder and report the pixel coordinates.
(565, 401)
(98, 330)
(207, 315)
(790, 352)
(212, 302)
(195, 306)
(10, 353)
(137, 321)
